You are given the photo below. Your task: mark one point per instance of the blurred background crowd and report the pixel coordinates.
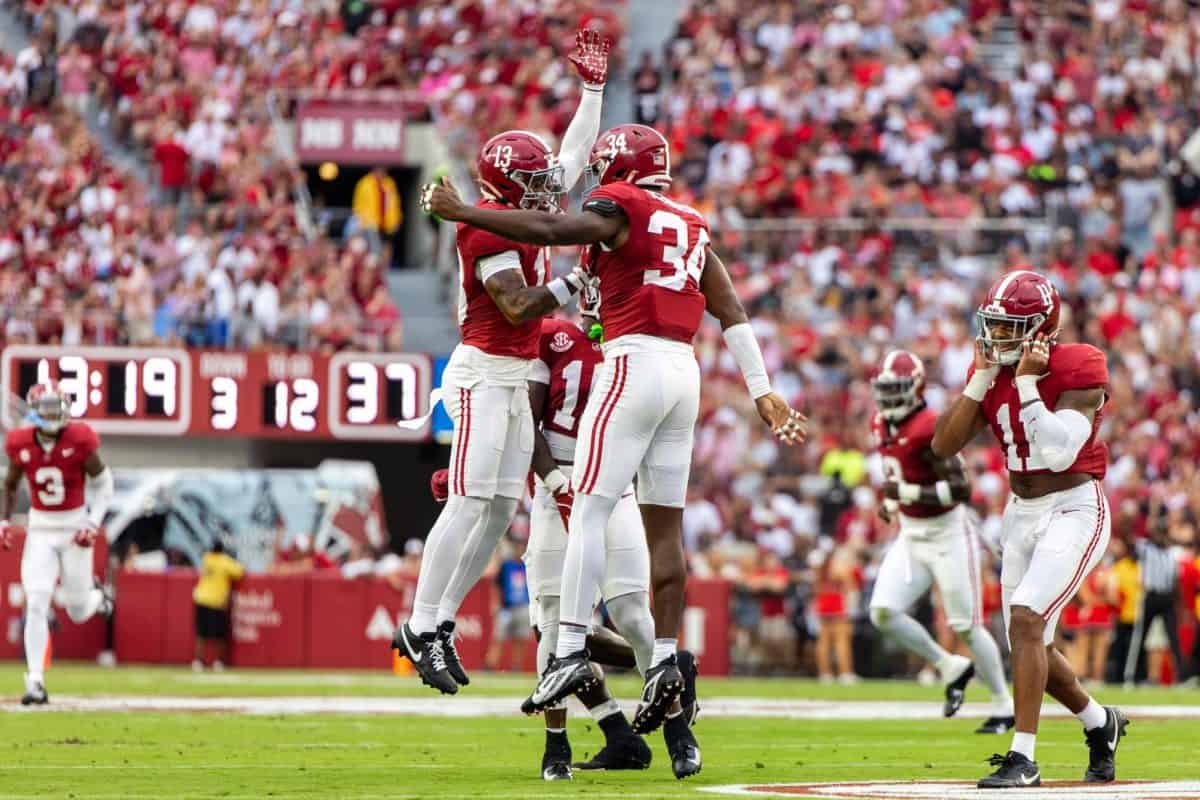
(868, 168)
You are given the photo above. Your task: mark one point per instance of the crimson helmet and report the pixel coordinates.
(49, 408)
(636, 154)
(1018, 307)
(518, 168)
(898, 385)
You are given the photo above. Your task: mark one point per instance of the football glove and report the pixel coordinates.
(564, 495)
(439, 484)
(87, 535)
(6, 534)
(590, 56)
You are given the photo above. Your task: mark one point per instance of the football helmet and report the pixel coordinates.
(636, 154)
(1019, 306)
(49, 408)
(898, 385)
(519, 168)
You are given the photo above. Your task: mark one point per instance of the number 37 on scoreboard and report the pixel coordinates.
(171, 392)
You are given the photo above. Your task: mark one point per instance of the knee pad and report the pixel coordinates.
(880, 616)
(78, 606)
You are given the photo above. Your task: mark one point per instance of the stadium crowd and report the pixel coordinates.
(868, 168)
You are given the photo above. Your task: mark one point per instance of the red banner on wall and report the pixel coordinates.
(349, 133)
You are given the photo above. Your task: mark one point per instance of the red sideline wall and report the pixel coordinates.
(319, 620)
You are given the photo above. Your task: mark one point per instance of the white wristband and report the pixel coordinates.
(554, 481)
(744, 346)
(979, 384)
(909, 493)
(1027, 388)
(944, 495)
(561, 291)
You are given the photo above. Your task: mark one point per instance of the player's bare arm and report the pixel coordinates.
(527, 226)
(963, 420)
(722, 302)
(12, 480)
(520, 303)
(544, 465)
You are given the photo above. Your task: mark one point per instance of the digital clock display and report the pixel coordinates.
(215, 393)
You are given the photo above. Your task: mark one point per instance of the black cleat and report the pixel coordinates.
(1102, 746)
(956, 691)
(682, 747)
(1014, 771)
(454, 665)
(689, 668)
(35, 694)
(556, 760)
(664, 683)
(425, 653)
(625, 752)
(563, 677)
(106, 605)
(997, 725)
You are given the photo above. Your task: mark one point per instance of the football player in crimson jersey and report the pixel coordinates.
(658, 276)
(935, 544)
(1043, 401)
(59, 459)
(503, 291)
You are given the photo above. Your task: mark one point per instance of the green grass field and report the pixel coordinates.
(124, 754)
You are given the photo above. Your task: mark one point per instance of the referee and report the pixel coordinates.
(1159, 570)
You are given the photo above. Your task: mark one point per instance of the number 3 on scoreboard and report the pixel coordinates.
(675, 275)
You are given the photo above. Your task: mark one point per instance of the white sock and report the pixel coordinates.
(1023, 743)
(440, 559)
(663, 649)
(990, 668)
(604, 710)
(475, 555)
(1092, 716)
(571, 639)
(556, 730)
(910, 634)
(37, 633)
(586, 558)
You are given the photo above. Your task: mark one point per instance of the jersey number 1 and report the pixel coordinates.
(675, 274)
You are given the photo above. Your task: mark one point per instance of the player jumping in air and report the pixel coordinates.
(935, 544)
(657, 275)
(58, 458)
(503, 293)
(1043, 401)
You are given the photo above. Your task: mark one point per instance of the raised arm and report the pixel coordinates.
(530, 227)
(590, 58)
(722, 302)
(1057, 435)
(963, 420)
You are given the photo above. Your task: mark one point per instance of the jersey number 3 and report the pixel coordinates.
(50, 488)
(676, 272)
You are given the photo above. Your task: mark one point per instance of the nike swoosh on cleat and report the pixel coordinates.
(1116, 737)
(651, 685)
(414, 657)
(1030, 779)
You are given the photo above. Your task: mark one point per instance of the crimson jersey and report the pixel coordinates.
(56, 477)
(908, 455)
(1072, 366)
(482, 323)
(651, 283)
(567, 362)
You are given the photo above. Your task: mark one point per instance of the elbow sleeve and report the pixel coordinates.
(1057, 436)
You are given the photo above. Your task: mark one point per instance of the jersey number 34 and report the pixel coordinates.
(676, 271)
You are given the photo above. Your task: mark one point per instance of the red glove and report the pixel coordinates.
(565, 499)
(87, 535)
(590, 55)
(439, 484)
(6, 534)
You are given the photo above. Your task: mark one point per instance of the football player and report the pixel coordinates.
(658, 276)
(559, 386)
(58, 458)
(1043, 401)
(935, 543)
(503, 293)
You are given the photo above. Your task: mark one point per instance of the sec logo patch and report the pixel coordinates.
(561, 342)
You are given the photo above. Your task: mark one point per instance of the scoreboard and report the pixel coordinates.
(259, 394)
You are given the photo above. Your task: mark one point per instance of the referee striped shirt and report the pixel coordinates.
(1159, 567)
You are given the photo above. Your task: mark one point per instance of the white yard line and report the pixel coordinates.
(957, 790)
(508, 707)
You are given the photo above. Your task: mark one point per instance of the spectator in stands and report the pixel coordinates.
(218, 572)
(377, 211)
(510, 604)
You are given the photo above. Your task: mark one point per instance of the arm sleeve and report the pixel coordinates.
(580, 136)
(1057, 435)
(102, 495)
